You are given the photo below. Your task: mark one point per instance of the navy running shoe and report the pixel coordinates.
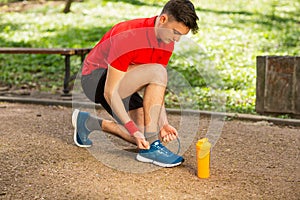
(159, 155)
(81, 133)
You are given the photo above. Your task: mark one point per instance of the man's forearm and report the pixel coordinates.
(118, 108)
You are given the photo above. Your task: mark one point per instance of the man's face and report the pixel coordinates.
(169, 30)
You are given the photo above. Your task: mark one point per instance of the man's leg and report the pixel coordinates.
(153, 100)
(85, 123)
(154, 78)
(94, 87)
(116, 129)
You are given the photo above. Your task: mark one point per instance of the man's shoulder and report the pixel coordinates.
(135, 23)
(130, 31)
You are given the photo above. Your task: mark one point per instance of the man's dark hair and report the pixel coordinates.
(182, 11)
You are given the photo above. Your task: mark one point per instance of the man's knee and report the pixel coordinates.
(159, 74)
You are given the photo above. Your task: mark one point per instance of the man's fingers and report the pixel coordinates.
(174, 136)
(169, 137)
(174, 132)
(144, 145)
(166, 138)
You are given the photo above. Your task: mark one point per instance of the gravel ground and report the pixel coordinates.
(251, 160)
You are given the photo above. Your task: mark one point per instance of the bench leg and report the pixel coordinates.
(82, 58)
(67, 74)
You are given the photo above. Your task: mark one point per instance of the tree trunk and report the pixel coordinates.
(67, 8)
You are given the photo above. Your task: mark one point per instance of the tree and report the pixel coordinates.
(68, 6)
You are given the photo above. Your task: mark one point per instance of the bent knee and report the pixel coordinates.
(159, 74)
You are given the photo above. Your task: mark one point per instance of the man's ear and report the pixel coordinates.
(163, 19)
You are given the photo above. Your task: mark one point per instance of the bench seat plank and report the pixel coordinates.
(61, 51)
(67, 52)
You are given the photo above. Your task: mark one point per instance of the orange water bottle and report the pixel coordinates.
(203, 158)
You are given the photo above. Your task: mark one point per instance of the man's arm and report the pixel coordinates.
(112, 95)
(167, 132)
(113, 98)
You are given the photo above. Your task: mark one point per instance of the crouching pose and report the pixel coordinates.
(132, 56)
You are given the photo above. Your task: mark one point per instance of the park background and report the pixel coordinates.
(251, 160)
(222, 63)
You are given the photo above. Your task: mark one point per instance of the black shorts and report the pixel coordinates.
(93, 87)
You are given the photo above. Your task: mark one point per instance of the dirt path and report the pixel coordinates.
(39, 161)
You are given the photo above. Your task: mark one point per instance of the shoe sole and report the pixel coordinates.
(74, 122)
(147, 160)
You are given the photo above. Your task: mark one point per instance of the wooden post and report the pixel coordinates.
(260, 83)
(277, 86)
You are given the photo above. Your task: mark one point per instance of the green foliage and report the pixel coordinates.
(8, 1)
(213, 70)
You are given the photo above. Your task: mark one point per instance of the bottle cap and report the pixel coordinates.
(203, 146)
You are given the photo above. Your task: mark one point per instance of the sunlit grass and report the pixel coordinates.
(232, 34)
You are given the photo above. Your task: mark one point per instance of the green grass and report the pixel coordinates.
(218, 65)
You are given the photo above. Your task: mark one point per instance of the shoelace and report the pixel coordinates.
(178, 140)
(166, 150)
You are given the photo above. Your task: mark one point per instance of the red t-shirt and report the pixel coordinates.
(128, 43)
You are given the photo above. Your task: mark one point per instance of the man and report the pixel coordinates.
(132, 56)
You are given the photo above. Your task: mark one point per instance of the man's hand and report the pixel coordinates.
(140, 140)
(168, 133)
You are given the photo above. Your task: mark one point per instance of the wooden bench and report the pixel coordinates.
(67, 52)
